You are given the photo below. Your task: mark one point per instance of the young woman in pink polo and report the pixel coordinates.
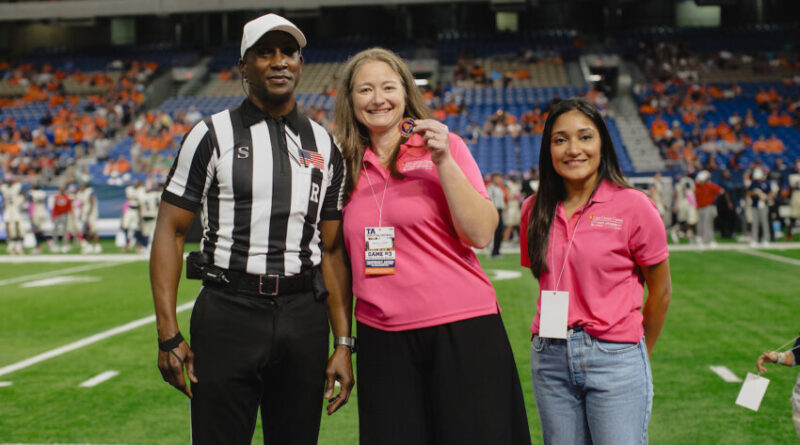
(593, 242)
(434, 362)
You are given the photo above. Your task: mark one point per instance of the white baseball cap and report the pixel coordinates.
(255, 29)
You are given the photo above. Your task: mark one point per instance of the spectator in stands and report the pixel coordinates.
(659, 128)
(602, 332)
(690, 159)
(472, 134)
(760, 145)
(513, 127)
(689, 117)
(778, 118)
(749, 120)
(709, 134)
(775, 145)
(734, 119)
(478, 75)
(779, 174)
(732, 92)
(763, 99)
(419, 344)
(706, 193)
(459, 71)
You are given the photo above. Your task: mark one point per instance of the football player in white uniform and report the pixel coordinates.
(131, 218)
(40, 218)
(13, 208)
(88, 219)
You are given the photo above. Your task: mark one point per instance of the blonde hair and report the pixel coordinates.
(351, 135)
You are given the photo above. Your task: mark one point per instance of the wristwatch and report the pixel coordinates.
(350, 342)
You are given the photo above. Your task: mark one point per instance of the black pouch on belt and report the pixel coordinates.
(194, 265)
(318, 284)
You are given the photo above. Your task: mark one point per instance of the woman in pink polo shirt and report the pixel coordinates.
(434, 362)
(593, 242)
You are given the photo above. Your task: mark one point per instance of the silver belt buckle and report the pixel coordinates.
(261, 285)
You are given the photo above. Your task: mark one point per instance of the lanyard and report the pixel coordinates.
(569, 246)
(383, 198)
(787, 344)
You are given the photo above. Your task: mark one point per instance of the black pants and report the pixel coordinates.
(455, 383)
(253, 351)
(498, 234)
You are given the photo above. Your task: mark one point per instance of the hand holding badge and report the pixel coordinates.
(435, 136)
(407, 127)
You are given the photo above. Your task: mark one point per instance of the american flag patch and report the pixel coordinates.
(311, 158)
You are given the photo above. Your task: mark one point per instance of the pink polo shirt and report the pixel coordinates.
(620, 231)
(438, 279)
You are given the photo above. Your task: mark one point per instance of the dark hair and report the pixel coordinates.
(551, 185)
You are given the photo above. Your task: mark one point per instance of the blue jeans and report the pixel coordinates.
(590, 391)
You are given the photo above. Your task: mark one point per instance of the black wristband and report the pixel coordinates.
(172, 343)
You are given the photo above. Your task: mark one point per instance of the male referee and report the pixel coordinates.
(268, 182)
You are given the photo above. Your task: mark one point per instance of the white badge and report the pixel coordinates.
(753, 390)
(553, 316)
(379, 252)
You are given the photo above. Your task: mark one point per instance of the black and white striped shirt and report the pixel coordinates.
(263, 184)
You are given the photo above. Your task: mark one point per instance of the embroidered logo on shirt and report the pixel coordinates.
(606, 221)
(418, 165)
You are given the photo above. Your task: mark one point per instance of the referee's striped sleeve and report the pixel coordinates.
(186, 182)
(332, 206)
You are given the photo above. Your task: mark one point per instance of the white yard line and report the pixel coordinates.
(725, 374)
(85, 342)
(99, 378)
(51, 273)
(4, 384)
(772, 256)
(783, 245)
(73, 258)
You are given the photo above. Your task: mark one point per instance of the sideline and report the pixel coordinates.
(86, 341)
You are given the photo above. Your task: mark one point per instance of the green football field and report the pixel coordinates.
(92, 318)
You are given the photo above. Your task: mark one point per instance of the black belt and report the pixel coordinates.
(265, 285)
